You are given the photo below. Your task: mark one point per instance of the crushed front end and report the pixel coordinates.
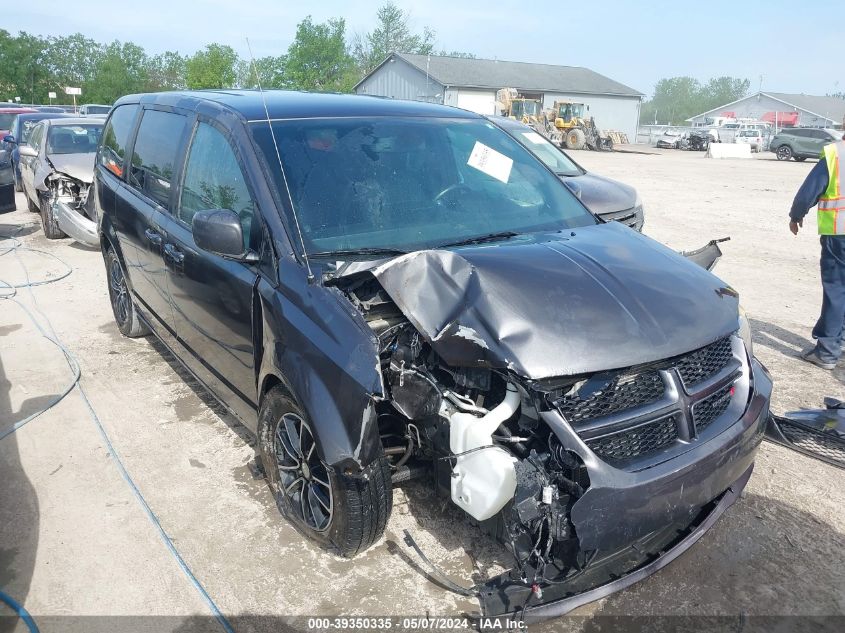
(591, 481)
(71, 204)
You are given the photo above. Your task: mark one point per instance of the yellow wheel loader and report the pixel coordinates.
(577, 131)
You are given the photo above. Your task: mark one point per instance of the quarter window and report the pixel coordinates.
(115, 137)
(214, 180)
(154, 155)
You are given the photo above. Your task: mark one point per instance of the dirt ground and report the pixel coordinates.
(75, 541)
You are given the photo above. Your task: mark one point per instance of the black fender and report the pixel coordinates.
(317, 345)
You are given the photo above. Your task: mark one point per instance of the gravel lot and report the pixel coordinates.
(74, 540)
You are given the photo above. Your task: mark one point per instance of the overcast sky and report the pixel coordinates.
(632, 42)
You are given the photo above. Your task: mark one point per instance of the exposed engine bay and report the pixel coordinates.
(551, 466)
(480, 433)
(72, 206)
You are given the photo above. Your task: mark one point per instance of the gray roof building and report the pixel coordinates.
(496, 74)
(472, 84)
(812, 110)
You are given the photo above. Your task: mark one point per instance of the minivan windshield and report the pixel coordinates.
(395, 183)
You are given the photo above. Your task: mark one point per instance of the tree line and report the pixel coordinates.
(321, 57)
(677, 99)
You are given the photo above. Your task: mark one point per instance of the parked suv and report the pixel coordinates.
(384, 290)
(802, 143)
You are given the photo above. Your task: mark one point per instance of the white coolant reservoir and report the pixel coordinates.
(483, 481)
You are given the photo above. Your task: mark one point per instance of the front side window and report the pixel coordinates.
(115, 137)
(409, 183)
(73, 139)
(214, 180)
(154, 155)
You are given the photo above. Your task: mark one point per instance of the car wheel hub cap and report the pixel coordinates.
(303, 478)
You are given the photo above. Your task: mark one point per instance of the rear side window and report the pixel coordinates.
(115, 137)
(214, 180)
(154, 156)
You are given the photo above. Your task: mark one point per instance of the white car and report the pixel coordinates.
(751, 137)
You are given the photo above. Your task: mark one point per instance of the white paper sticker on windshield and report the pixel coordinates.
(490, 161)
(534, 138)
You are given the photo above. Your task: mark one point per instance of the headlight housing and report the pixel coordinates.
(744, 332)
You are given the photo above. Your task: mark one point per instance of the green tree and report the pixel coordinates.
(215, 66)
(318, 58)
(166, 72)
(271, 72)
(460, 54)
(24, 70)
(677, 99)
(121, 70)
(721, 90)
(72, 61)
(391, 35)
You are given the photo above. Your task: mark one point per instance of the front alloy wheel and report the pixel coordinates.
(303, 478)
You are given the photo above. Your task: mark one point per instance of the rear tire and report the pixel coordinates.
(800, 159)
(339, 511)
(575, 139)
(784, 152)
(122, 305)
(49, 222)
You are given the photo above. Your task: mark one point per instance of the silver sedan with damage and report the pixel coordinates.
(57, 167)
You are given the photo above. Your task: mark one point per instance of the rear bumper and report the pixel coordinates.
(76, 225)
(642, 521)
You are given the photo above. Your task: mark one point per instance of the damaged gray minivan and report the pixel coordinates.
(386, 290)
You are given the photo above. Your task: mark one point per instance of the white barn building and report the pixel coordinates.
(472, 84)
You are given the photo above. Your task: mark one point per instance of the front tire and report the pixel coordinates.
(336, 510)
(575, 139)
(34, 208)
(123, 308)
(784, 152)
(49, 222)
(800, 159)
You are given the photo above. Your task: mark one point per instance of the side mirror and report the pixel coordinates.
(27, 150)
(219, 231)
(9, 139)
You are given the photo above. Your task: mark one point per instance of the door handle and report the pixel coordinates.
(174, 254)
(154, 237)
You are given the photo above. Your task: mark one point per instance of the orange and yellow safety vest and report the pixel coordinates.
(832, 201)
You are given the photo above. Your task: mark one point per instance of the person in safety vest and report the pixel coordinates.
(825, 186)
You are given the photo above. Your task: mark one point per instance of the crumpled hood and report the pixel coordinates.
(601, 195)
(79, 166)
(601, 299)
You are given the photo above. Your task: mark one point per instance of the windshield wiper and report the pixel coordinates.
(352, 252)
(490, 237)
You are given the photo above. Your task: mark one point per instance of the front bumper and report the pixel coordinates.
(76, 225)
(640, 524)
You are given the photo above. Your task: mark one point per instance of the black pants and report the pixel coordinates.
(829, 328)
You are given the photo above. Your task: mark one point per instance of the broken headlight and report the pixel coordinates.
(744, 332)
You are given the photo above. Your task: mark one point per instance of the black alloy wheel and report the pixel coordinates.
(303, 478)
